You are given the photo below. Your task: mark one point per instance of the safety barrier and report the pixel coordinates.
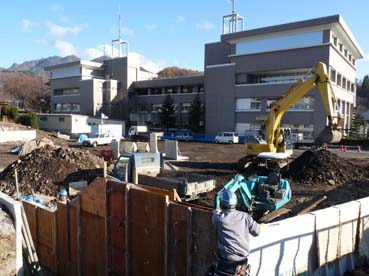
(119, 229)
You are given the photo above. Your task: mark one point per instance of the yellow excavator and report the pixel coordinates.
(272, 141)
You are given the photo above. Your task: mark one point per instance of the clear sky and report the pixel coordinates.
(162, 32)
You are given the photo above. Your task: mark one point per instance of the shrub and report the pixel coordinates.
(28, 119)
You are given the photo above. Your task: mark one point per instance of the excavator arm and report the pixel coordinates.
(331, 134)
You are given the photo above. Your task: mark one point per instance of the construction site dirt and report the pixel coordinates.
(340, 176)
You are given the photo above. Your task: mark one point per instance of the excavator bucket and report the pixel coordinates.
(329, 135)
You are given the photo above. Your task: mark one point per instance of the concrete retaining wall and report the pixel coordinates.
(323, 242)
(14, 207)
(17, 135)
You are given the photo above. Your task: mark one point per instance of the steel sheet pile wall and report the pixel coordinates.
(119, 229)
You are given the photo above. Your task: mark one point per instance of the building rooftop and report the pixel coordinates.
(82, 63)
(334, 22)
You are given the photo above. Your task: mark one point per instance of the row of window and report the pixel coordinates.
(183, 107)
(45, 119)
(67, 107)
(341, 81)
(66, 91)
(254, 104)
(339, 45)
(170, 90)
(280, 77)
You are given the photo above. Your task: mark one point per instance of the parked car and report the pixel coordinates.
(100, 139)
(226, 138)
(185, 136)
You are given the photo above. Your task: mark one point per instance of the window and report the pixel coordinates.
(352, 87)
(339, 79)
(348, 85)
(142, 91)
(185, 107)
(350, 57)
(61, 119)
(155, 107)
(67, 91)
(200, 88)
(279, 43)
(341, 47)
(353, 61)
(248, 104)
(156, 91)
(344, 83)
(141, 108)
(281, 77)
(306, 103)
(335, 40)
(67, 107)
(345, 53)
(171, 90)
(186, 89)
(43, 119)
(333, 75)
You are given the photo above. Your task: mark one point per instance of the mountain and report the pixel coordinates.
(36, 67)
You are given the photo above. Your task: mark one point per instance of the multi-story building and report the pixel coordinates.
(244, 73)
(248, 70)
(91, 88)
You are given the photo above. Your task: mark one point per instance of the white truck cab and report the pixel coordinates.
(227, 138)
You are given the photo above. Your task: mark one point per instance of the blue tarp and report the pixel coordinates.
(31, 199)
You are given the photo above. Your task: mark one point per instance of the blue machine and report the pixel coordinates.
(261, 193)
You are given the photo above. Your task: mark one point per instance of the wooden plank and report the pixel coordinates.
(93, 198)
(178, 243)
(93, 242)
(204, 242)
(117, 227)
(30, 210)
(73, 240)
(46, 246)
(146, 233)
(62, 239)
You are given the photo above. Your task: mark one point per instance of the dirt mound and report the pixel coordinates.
(46, 168)
(325, 167)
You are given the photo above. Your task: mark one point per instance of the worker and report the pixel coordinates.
(233, 228)
(63, 195)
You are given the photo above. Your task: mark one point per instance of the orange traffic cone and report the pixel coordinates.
(358, 148)
(342, 149)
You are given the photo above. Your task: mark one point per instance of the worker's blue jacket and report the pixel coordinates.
(234, 229)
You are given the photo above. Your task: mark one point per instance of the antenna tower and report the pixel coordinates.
(233, 22)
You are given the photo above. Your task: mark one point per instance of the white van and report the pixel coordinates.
(227, 138)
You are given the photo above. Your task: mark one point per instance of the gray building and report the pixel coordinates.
(248, 70)
(91, 88)
(244, 73)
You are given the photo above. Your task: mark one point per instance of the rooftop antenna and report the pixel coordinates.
(233, 22)
(119, 41)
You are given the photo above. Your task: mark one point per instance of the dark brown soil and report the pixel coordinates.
(326, 168)
(46, 168)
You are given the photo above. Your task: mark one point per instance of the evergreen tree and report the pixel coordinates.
(365, 84)
(358, 126)
(167, 114)
(196, 116)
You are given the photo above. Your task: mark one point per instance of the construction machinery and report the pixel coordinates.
(260, 194)
(271, 138)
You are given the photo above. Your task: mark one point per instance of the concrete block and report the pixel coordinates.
(129, 147)
(349, 218)
(364, 230)
(283, 248)
(327, 227)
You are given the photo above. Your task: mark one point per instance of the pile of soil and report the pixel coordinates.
(7, 245)
(325, 167)
(46, 168)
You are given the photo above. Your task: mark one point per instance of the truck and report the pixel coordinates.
(298, 140)
(139, 133)
(147, 169)
(114, 129)
(97, 139)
